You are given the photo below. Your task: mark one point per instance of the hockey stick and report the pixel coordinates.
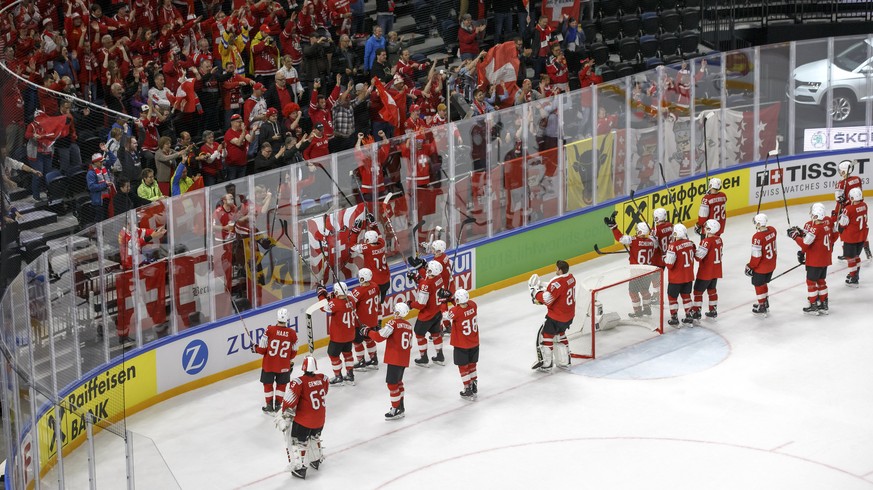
(464, 223)
(770, 153)
(669, 190)
(309, 311)
(782, 183)
(335, 183)
(786, 272)
(601, 252)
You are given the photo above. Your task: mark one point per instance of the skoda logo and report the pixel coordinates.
(194, 357)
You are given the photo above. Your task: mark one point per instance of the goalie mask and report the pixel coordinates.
(365, 275)
(371, 237)
(438, 246)
(340, 289)
(434, 268)
(846, 167)
(643, 229)
(461, 296)
(817, 211)
(712, 226)
(401, 310)
(660, 215)
(715, 183)
(761, 222)
(856, 194)
(679, 231)
(282, 315)
(309, 365)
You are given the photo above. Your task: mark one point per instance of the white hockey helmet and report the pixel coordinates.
(715, 183)
(309, 365)
(282, 315)
(679, 231)
(365, 275)
(856, 194)
(438, 246)
(371, 237)
(761, 221)
(434, 268)
(817, 211)
(846, 167)
(712, 226)
(401, 310)
(643, 228)
(461, 296)
(340, 288)
(660, 215)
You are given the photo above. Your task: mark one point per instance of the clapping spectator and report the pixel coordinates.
(468, 37)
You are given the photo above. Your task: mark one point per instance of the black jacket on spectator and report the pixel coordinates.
(383, 72)
(268, 130)
(131, 166)
(315, 62)
(343, 59)
(123, 203)
(263, 163)
(272, 96)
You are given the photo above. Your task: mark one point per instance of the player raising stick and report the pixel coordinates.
(427, 298)
(641, 249)
(303, 410)
(680, 267)
(762, 263)
(397, 335)
(439, 254)
(709, 256)
(662, 234)
(713, 205)
(853, 232)
(342, 325)
(559, 296)
(465, 340)
(368, 306)
(278, 345)
(816, 241)
(373, 252)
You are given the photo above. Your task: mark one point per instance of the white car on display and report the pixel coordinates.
(851, 80)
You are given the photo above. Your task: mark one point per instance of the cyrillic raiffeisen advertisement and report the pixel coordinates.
(805, 177)
(523, 252)
(106, 396)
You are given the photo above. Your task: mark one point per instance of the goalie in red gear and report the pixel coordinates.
(713, 205)
(854, 229)
(368, 306)
(278, 345)
(709, 257)
(428, 298)
(680, 266)
(342, 322)
(465, 340)
(303, 410)
(816, 241)
(762, 263)
(641, 249)
(397, 335)
(559, 296)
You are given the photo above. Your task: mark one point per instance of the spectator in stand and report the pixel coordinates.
(280, 93)
(344, 118)
(254, 114)
(394, 44)
(271, 132)
(525, 59)
(527, 93)
(344, 61)
(211, 159)
(373, 44)
(406, 68)
(381, 69)
(149, 189)
(159, 94)
(69, 156)
(294, 149)
(148, 123)
(320, 108)
(266, 159)
(385, 15)
(124, 199)
(166, 160)
(100, 187)
(573, 43)
(292, 81)
(318, 144)
(468, 38)
(130, 159)
(557, 69)
(232, 87)
(587, 77)
(236, 140)
(357, 8)
(316, 58)
(115, 99)
(541, 38)
(264, 56)
(207, 87)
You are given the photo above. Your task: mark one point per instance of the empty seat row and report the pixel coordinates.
(609, 8)
(614, 28)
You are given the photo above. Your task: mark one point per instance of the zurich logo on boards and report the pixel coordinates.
(195, 356)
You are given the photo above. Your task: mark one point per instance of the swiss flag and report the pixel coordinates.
(500, 64)
(554, 10)
(389, 111)
(776, 176)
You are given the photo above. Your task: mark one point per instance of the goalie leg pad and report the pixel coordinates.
(315, 455)
(562, 352)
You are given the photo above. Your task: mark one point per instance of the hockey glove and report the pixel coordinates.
(698, 229)
(443, 293)
(610, 220)
(795, 232)
(371, 217)
(320, 291)
(254, 348)
(801, 257)
(416, 262)
(749, 270)
(412, 276)
(844, 220)
(283, 418)
(364, 331)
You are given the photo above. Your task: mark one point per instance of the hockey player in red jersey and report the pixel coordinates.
(303, 410)
(559, 296)
(709, 257)
(816, 241)
(373, 252)
(713, 205)
(680, 267)
(428, 298)
(342, 323)
(368, 306)
(662, 233)
(465, 340)
(845, 185)
(854, 227)
(641, 249)
(762, 263)
(278, 345)
(439, 254)
(397, 335)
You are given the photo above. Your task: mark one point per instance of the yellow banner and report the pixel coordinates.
(582, 178)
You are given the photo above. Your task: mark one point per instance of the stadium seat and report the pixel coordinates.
(648, 46)
(630, 26)
(78, 185)
(672, 59)
(667, 4)
(670, 21)
(599, 53)
(609, 29)
(629, 7)
(589, 28)
(648, 5)
(608, 74)
(608, 7)
(651, 23)
(652, 63)
(690, 19)
(688, 43)
(624, 70)
(691, 3)
(57, 186)
(629, 49)
(668, 44)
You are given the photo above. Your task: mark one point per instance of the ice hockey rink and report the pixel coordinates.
(738, 402)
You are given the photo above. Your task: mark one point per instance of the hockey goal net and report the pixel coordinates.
(616, 309)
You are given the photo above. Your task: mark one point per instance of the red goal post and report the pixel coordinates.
(607, 318)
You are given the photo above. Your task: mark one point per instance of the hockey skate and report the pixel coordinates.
(468, 394)
(361, 365)
(695, 314)
(315, 464)
(373, 363)
(812, 309)
(760, 309)
(349, 378)
(867, 250)
(269, 409)
(688, 320)
(637, 313)
(299, 472)
(852, 281)
(422, 362)
(673, 321)
(823, 307)
(712, 313)
(439, 359)
(337, 381)
(395, 413)
(475, 385)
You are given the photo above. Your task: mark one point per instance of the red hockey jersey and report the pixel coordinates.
(680, 261)
(713, 206)
(856, 225)
(641, 249)
(465, 325)
(560, 298)
(397, 334)
(306, 396)
(661, 233)
(818, 242)
(278, 345)
(368, 304)
(425, 298)
(709, 257)
(763, 259)
(342, 319)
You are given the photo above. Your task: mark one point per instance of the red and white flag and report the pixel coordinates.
(389, 111)
(500, 64)
(554, 10)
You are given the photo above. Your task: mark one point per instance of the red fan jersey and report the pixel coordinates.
(465, 325)
(425, 298)
(713, 206)
(818, 242)
(278, 345)
(709, 257)
(642, 249)
(306, 396)
(662, 233)
(368, 304)
(342, 318)
(560, 298)
(397, 334)
(763, 259)
(856, 223)
(374, 259)
(680, 261)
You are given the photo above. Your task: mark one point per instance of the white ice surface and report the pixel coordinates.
(784, 402)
